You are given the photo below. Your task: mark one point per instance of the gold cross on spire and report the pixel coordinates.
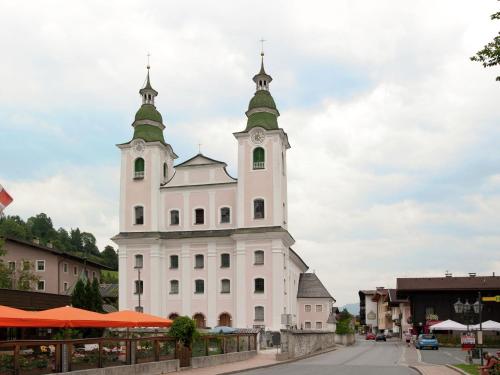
(262, 40)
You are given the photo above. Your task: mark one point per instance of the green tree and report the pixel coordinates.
(110, 257)
(76, 239)
(184, 330)
(490, 54)
(89, 300)
(78, 298)
(25, 278)
(96, 295)
(5, 272)
(15, 227)
(41, 227)
(89, 246)
(63, 240)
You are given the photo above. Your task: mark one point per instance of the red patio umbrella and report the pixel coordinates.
(71, 317)
(136, 319)
(11, 317)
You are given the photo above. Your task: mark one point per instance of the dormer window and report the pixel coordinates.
(139, 169)
(258, 158)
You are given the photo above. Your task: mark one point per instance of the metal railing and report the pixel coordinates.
(258, 165)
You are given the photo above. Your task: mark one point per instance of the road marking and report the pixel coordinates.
(419, 356)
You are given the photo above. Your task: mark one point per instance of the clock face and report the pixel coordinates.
(258, 136)
(139, 146)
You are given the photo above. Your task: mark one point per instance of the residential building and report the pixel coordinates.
(315, 304)
(56, 271)
(384, 313)
(368, 310)
(193, 240)
(400, 312)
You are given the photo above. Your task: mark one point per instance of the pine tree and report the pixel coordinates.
(78, 295)
(89, 297)
(96, 295)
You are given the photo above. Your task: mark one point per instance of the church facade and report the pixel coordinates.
(195, 241)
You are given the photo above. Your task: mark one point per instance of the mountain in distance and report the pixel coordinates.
(353, 308)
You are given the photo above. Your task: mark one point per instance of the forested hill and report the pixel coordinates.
(73, 241)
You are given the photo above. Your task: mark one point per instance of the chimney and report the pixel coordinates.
(448, 274)
(36, 241)
(472, 274)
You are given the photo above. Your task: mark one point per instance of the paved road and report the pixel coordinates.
(381, 358)
(447, 356)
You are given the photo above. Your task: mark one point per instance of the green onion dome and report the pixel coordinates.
(148, 112)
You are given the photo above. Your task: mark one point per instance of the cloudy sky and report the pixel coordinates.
(394, 168)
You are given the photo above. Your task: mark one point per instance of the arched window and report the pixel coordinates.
(199, 286)
(174, 286)
(258, 209)
(225, 215)
(259, 285)
(139, 215)
(165, 171)
(225, 260)
(138, 261)
(174, 217)
(258, 257)
(258, 158)
(225, 286)
(139, 168)
(259, 313)
(198, 261)
(200, 320)
(199, 216)
(225, 320)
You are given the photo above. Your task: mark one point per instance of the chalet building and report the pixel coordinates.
(57, 271)
(432, 298)
(368, 310)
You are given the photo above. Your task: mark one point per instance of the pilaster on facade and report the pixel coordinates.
(123, 291)
(156, 279)
(241, 288)
(212, 284)
(186, 282)
(277, 284)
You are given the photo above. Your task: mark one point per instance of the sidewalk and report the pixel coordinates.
(263, 358)
(411, 357)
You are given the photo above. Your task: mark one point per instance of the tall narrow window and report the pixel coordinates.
(139, 168)
(225, 286)
(138, 261)
(174, 217)
(139, 286)
(258, 158)
(259, 313)
(174, 262)
(259, 285)
(199, 286)
(198, 261)
(139, 215)
(174, 286)
(40, 285)
(258, 209)
(199, 216)
(259, 257)
(225, 260)
(225, 215)
(165, 171)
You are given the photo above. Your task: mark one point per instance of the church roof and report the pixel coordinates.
(200, 159)
(310, 286)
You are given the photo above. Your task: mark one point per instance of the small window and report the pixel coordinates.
(307, 308)
(259, 285)
(258, 158)
(259, 313)
(258, 209)
(259, 257)
(139, 287)
(65, 267)
(165, 171)
(319, 308)
(199, 286)
(174, 286)
(319, 325)
(225, 215)
(65, 286)
(139, 261)
(199, 216)
(40, 285)
(139, 215)
(26, 265)
(75, 271)
(225, 286)
(174, 262)
(40, 265)
(198, 261)
(174, 217)
(93, 275)
(12, 266)
(139, 168)
(307, 325)
(225, 260)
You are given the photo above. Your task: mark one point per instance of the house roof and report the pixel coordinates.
(393, 299)
(108, 290)
(448, 283)
(200, 159)
(310, 286)
(58, 252)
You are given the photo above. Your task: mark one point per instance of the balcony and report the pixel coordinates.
(258, 165)
(138, 175)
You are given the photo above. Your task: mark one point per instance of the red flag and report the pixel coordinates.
(5, 198)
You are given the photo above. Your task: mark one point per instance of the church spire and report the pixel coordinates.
(148, 93)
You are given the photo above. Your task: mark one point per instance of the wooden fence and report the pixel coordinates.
(38, 357)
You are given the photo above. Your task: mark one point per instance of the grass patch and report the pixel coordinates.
(469, 369)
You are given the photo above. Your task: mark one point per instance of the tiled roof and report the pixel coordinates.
(109, 308)
(393, 299)
(449, 283)
(109, 290)
(310, 286)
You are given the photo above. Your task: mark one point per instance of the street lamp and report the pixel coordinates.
(468, 310)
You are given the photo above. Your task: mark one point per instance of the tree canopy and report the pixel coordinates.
(490, 54)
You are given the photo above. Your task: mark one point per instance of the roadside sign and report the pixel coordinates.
(468, 341)
(491, 299)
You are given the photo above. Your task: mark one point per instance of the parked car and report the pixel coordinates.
(370, 336)
(380, 337)
(427, 341)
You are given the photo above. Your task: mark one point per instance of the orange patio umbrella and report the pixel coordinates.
(11, 317)
(71, 317)
(136, 319)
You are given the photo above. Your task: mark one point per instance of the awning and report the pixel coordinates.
(448, 325)
(489, 325)
(129, 318)
(10, 317)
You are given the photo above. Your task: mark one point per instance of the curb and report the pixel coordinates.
(278, 363)
(457, 369)
(416, 369)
